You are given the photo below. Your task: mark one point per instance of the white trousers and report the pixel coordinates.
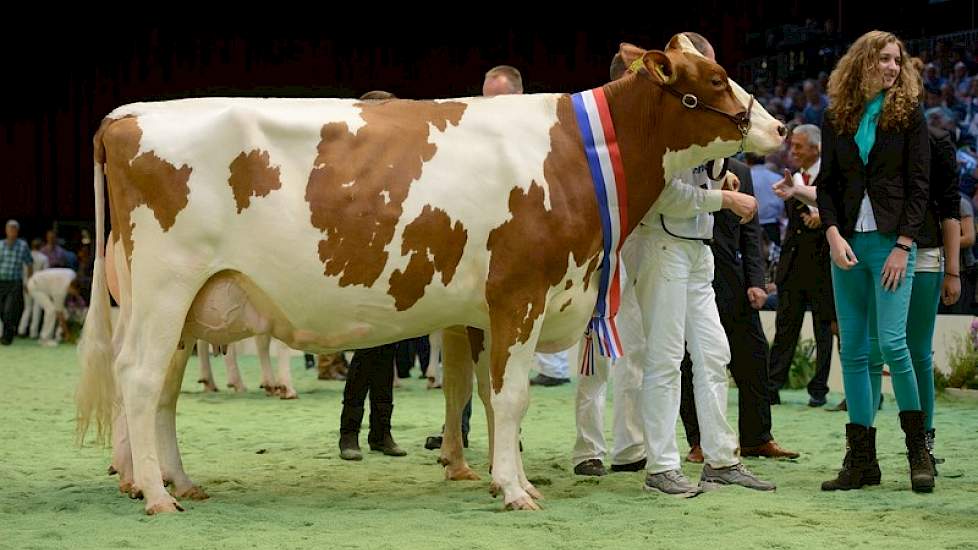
(32, 315)
(46, 303)
(673, 285)
(629, 437)
(554, 365)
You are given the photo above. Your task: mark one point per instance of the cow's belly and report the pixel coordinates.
(233, 305)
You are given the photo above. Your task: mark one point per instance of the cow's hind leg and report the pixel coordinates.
(142, 368)
(457, 387)
(171, 464)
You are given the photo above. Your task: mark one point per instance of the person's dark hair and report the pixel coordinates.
(618, 67)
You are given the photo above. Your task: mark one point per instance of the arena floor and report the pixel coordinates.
(276, 481)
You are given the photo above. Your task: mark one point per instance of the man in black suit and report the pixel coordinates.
(739, 285)
(803, 277)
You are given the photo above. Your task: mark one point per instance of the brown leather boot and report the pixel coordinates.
(921, 468)
(856, 469)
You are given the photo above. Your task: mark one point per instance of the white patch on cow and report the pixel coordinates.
(674, 162)
(386, 195)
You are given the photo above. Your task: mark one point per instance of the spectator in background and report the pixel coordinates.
(951, 102)
(770, 208)
(32, 309)
(15, 257)
(960, 79)
(51, 288)
(57, 257)
(932, 77)
(815, 103)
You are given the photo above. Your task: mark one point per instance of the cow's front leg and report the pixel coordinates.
(457, 387)
(262, 344)
(510, 360)
(234, 373)
(284, 389)
(204, 362)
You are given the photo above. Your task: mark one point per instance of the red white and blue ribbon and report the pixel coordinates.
(608, 175)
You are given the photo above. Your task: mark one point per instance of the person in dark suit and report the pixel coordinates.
(872, 195)
(803, 277)
(739, 285)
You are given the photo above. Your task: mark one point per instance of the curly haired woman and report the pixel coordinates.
(872, 196)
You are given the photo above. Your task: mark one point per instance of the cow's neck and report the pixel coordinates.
(635, 113)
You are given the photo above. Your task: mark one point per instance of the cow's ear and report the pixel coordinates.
(682, 43)
(630, 53)
(659, 65)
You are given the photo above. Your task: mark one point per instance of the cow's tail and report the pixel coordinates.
(96, 392)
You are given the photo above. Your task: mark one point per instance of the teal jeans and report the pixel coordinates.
(859, 297)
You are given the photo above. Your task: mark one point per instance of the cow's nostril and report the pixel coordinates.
(782, 131)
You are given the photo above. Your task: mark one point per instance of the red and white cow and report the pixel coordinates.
(396, 217)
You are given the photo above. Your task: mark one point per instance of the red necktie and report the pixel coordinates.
(806, 177)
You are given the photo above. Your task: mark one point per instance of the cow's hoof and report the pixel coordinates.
(495, 489)
(269, 390)
(193, 493)
(460, 473)
(533, 492)
(164, 506)
(238, 388)
(286, 393)
(129, 488)
(523, 503)
(209, 387)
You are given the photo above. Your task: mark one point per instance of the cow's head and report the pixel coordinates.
(704, 113)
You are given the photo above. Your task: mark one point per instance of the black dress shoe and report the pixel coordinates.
(544, 380)
(636, 466)
(817, 402)
(434, 442)
(592, 467)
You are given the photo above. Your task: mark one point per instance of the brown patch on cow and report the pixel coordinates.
(435, 245)
(569, 284)
(252, 175)
(137, 180)
(591, 268)
(565, 306)
(353, 173)
(529, 253)
(477, 342)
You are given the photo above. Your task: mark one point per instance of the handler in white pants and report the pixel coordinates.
(673, 285)
(50, 288)
(628, 454)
